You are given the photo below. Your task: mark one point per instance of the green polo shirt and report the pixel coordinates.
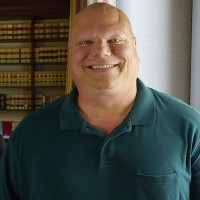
(154, 154)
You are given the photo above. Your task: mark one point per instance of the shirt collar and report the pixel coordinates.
(142, 112)
(70, 116)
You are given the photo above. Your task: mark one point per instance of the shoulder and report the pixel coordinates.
(182, 119)
(174, 107)
(42, 118)
(46, 111)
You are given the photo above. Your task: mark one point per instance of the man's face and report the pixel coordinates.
(102, 52)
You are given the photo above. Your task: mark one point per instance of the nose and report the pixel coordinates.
(101, 48)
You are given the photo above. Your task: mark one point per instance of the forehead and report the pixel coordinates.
(104, 13)
(100, 26)
(104, 19)
(100, 31)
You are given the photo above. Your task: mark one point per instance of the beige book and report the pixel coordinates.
(10, 31)
(5, 31)
(47, 30)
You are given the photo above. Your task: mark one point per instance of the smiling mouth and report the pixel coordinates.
(101, 66)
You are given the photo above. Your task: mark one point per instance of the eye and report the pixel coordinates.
(85, 43)
(116, 41)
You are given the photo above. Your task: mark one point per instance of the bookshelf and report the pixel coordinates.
(33, 57)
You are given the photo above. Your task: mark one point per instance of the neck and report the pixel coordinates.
(106, 110)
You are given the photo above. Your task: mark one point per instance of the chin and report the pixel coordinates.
(104, 86)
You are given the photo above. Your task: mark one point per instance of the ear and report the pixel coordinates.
(134, 41)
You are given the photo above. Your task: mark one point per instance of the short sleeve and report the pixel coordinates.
(195, 169)
(9, 174)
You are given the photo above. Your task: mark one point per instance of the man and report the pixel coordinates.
(2, 145)
(111, 138)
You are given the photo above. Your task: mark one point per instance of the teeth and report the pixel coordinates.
(101, 66)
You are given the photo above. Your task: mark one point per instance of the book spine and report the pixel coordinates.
(54, 30)
(47, 30)
(5, 31)
(1, 31)
(64, 29)
(10, 31)
(2, 102)
(7, 127)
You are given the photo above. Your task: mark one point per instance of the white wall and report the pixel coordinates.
(195, 73)
(163, 31)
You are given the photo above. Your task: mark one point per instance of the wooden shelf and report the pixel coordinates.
(28, 87)
(48, 86)
(51, 39)
(15, 110)
(15, 40)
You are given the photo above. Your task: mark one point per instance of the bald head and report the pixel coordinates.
(102, 11)
(100, 14)
(102, 51)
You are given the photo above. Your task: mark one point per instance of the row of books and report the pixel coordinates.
(23, 101)
(15, 102)
(7, 127)
(50, 54)
(20, 79)
(15, 55)
(15, 31)
(42, 100)
(50, 78)
(41, 54)
(51, 30)
(41, 30)
(41, 78)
